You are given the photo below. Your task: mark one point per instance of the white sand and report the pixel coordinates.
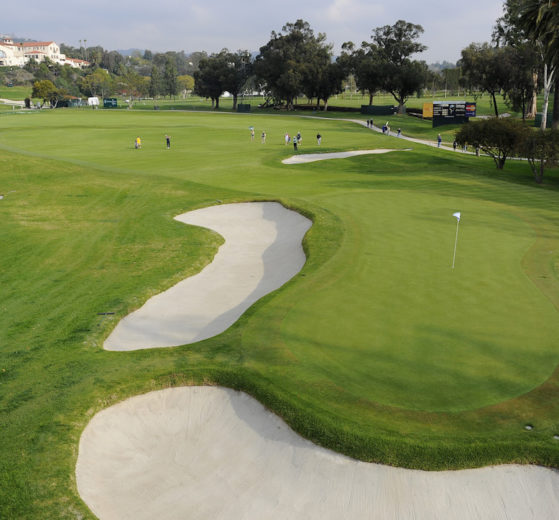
(312, 157)
(212, 453)
(262, 251)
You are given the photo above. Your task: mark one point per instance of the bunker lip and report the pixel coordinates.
(215, 453)
(312, 157)
(262, 251)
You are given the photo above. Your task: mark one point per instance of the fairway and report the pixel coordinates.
(377, 349)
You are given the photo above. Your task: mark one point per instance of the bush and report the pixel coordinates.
(541, 148)
(498, 138)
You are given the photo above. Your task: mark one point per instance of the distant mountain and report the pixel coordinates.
(437, 67)
(17, 39)
(130, 52)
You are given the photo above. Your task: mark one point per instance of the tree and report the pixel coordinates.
(522, 63)
(497, 137)
(170, 85)
(329, 82)
(208, 79)
(132, 84)
(484, 68)
(365, 66)
(541, 149)
(155, 86)
(111, 61)
(99, 82)
(285, 64)
(388, 57)
(236, 69)
(47, 91)
(185, 83)
(540, 20)
(510, 32)
(403, 80)
(396, 43)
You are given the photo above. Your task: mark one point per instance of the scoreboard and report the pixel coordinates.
(452, 112)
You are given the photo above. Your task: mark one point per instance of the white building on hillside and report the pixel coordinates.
(18, 54)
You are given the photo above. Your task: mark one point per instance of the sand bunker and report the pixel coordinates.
(262, 251)
(213, 453)
(312, 157)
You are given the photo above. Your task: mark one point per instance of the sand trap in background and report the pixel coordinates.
(262, 251)
(217, 454)
(312, 157)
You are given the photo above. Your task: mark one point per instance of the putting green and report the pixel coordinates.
(393, 323)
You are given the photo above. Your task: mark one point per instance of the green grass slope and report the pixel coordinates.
(378, 349)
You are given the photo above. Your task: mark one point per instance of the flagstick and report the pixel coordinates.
(455, 242)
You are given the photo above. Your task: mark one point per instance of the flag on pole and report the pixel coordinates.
(457, 215)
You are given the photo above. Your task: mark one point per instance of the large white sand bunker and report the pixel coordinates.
(262, 251)
(213, 453)
(312, 157)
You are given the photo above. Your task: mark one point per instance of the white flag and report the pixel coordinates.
(457, 215)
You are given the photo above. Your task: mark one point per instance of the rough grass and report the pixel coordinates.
(377, 349)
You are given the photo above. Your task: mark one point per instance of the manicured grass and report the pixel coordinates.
(17, 93)
(378, 349)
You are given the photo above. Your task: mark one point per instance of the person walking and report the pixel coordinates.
(263, 138)
(168, 141)
(399, 132)
(295, 142)
(287, 138)
(138, 143)
(439, 140)
(318, 139)
(454, 144)
(252, 133)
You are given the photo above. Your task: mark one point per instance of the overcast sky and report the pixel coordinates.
(211, 25)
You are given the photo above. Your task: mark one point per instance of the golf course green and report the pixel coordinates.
(378, 348)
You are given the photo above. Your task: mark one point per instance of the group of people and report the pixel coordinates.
(297, 139)
(138, 142)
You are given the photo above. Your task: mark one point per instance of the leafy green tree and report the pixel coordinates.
(47, 91)
(540, 20)
(385, 62)
(522, 64)
(510, 32)
(329, 82)
(499, 138)
(484, 68)
(185, 82)
(111, 61)
(285, 64)
(98, 83)
(132, 84)
(208, 79)
(236, 69)
(155, 82)
(541, 149)
(402, 81)
(170, 85)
